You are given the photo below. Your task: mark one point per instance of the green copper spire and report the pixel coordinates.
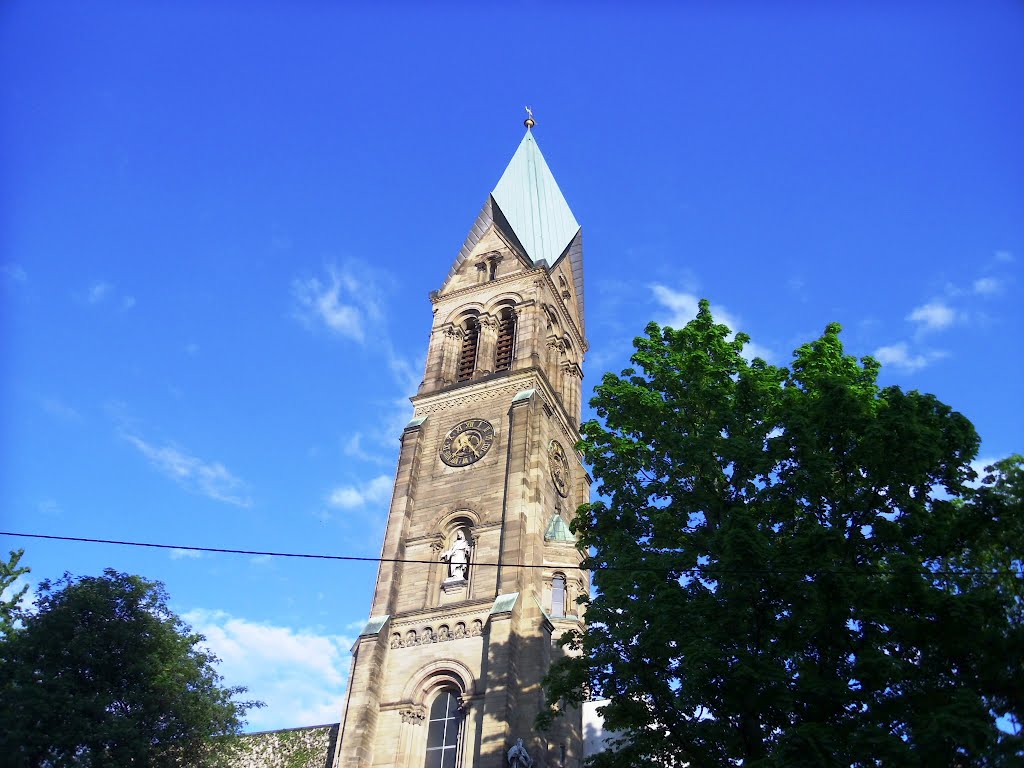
(531, 201)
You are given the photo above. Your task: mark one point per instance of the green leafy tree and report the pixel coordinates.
(103, 673)
(9, 573)
(790, 568)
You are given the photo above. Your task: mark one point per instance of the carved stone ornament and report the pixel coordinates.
(413, 716)
(444, 634)
(467, 442)
(559, 468)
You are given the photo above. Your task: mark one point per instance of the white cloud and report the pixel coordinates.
(986, 286)
(353, 447)
(374, 491)
(1004, 257)
(299, 673)
(14, 272)
(344, 302)
(932, 316)
(899, 355)
(683, 306)
(99, 291)
(185, 554)
(211, 479)
(49, 507)
(59, 409)
(191, 349)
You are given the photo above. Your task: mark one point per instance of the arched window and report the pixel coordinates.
(444, 730)
(467, 355)
(504, 350)
(558, 596)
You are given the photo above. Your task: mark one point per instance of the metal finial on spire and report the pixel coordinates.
(529, 122)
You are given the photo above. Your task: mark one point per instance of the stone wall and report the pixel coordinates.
(311, 747)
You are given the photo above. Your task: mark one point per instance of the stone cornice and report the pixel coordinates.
(437, 298)
(488, 387)
(441, 613)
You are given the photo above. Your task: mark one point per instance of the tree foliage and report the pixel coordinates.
(10, 571)
(791, 567)
(103, 673)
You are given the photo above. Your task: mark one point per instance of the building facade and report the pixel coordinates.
(479, 570)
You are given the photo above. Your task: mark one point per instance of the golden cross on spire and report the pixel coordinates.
(529, 122)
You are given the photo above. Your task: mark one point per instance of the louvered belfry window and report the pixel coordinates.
(505, 348)
(467, 356)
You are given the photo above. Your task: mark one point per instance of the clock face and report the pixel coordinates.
(467, 442)
(559, 468)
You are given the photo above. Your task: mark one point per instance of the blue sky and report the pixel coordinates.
(219, 226)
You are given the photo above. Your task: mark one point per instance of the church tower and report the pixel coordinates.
(479, 570)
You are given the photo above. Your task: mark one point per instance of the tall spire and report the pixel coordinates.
(532, 203)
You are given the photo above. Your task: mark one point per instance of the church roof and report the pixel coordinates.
(533, 205)
(558, 530)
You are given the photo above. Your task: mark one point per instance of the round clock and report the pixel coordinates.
(559, 468)
(467, 442)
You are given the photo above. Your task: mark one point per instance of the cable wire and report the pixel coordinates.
(700, 569)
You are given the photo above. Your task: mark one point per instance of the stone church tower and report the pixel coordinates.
(480, 571)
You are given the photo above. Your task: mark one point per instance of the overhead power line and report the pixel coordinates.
(353, 558)
(221, 550)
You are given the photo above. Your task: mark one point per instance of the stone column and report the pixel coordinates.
(553, 349)
(575, 588)
(486, 343)
(389, 574)
(499, 692)
(572, 379)
(362, 711)
(413, 721)
(449, 345)
(527, 342)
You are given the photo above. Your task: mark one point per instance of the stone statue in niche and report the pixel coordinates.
(518, 757)
(457, 557)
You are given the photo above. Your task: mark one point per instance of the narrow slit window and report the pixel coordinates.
(505, 349)
(467, 356)
(558, 596)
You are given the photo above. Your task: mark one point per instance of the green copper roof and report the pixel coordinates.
(533, 204)
(374, 625)
(504, 603)
(558, 530)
